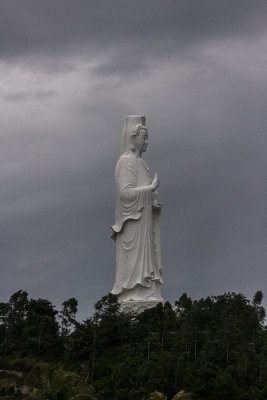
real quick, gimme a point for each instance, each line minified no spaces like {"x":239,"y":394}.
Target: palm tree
{"x":63,"y":385}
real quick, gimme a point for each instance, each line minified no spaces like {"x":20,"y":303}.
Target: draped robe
{"x":137,"y":232}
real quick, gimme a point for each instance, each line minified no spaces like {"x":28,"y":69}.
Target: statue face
{"x":141,"y":141}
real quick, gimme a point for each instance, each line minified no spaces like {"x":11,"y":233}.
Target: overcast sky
{"x":70,"y":72}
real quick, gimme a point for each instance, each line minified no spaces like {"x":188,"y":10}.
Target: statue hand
{"x":156,"y":204}
{"x":155,"y":182}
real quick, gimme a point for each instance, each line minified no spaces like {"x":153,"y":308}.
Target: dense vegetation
{"x":208,"y":349}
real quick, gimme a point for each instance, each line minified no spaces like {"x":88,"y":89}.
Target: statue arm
{"x":127,"y":182}
{"x":131,"y":199}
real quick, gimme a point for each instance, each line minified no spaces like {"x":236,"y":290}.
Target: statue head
{"x":134,"y":124}
{"x":139,"y":139}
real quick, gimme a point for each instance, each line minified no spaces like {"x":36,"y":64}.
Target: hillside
{"x":207,"y":349}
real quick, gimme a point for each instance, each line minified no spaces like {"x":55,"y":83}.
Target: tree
{"x":60,"y":384}
{"x":214,"y":348}
{"x":15,"y":316}
{"x":41,"y":328}
{"x":67,"y":316}
{"x":257,"y":299}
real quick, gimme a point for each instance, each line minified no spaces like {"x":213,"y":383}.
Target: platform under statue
{"x":137,"y":223}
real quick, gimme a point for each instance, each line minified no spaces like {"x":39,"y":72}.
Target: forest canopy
{"x":213,"y":349}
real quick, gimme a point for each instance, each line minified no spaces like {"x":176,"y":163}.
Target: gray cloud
{"x":24,"y":95}
{"x":65,"y":26}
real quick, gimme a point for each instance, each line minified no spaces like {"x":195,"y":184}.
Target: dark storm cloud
{"x":49,"y":227}
{"x":71,"y":72}
{"x":46,"y":28}
{"x":27,"y":94}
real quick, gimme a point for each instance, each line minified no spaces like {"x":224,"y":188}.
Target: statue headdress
{"x":132,"y":122}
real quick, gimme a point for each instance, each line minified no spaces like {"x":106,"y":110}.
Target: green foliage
{"x":213,"y":349}
{"x":61,"y":385}
{"x":157,"y":396}
{"x":67,"y":316}
{"x":182,"y":395}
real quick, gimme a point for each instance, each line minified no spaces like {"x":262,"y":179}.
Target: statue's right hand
{"x":155,"y":182}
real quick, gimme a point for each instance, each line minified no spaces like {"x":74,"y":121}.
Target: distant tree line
{"x":207,"y":349}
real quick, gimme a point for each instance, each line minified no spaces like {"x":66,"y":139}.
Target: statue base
{"x":137,"y":306}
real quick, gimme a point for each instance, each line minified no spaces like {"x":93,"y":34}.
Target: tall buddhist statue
{"x":137,"y":223}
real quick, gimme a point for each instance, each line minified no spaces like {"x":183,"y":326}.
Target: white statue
{"x":136,"y":230}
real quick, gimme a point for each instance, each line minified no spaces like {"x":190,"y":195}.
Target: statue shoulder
{"x":127,"y":159}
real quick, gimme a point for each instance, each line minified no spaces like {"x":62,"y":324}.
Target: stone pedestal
{"x":137,"y":306}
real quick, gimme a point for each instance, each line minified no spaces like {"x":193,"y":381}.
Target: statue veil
{"x":128,"y":130}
